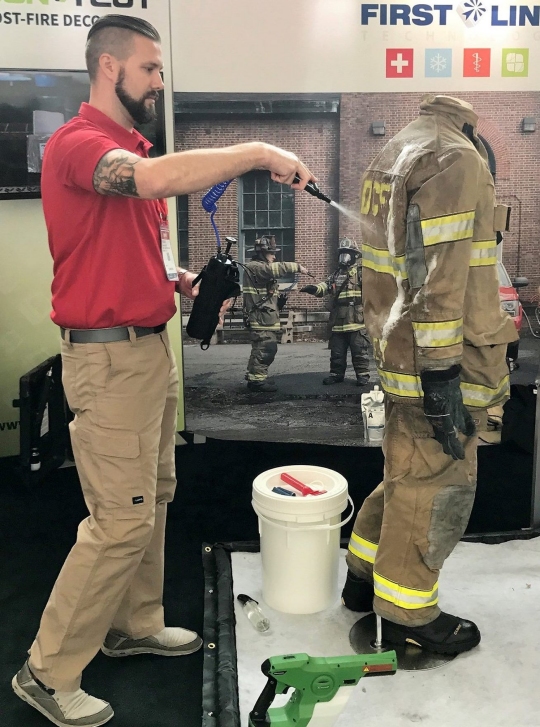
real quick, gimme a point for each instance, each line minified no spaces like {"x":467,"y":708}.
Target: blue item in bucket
{"x":283,"y":491}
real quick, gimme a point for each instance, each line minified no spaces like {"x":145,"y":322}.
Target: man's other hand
{"x":183,"y":286}
{"x":224,"y":308}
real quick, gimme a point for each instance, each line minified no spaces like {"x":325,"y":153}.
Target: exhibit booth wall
{"x":348,"y":46}
{"x":50,"y":36}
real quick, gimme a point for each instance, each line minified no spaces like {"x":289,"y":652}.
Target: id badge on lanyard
{"x":166,"y":249}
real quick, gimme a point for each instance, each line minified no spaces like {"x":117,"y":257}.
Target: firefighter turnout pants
{"x":263,"y":353}
{"x":124,"y":396}
{"x":340,"y":342}
{"x":413,"y":520}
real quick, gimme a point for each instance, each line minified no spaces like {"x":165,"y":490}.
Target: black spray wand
{"x":313,"y":189}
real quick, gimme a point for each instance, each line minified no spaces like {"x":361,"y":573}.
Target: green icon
{"x":515,"y":62}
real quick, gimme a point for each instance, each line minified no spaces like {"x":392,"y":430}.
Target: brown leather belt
{"x":107,"y":335}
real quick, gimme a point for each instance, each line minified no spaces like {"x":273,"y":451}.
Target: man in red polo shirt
{"x":112,"y":294}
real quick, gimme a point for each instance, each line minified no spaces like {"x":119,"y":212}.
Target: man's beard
{"x":136,"y":108}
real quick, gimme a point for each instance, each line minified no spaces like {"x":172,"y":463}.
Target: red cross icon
{"x":399,"y":62}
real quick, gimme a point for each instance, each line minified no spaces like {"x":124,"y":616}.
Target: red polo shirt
{"x":108,"y":267}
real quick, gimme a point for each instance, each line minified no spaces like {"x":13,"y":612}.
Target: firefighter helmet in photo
{"x":264,"y":244}
{"x":348,"y":251}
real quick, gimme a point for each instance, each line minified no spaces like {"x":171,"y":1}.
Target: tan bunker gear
{"x":431,"y":301}
{"x":343,"y":292}
{"x":261,"y":313}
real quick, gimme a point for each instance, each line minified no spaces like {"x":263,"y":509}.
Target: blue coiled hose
{"x":209,"y":204}
{"x":211,"y":197}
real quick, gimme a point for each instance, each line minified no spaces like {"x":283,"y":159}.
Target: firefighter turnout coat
{"x":260,"y":293}
{"x":344,"y":287}
{"x":430,"y":284}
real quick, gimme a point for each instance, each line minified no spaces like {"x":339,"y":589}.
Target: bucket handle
{"x":306,"y":527}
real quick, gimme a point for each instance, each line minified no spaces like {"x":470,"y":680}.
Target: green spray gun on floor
{"x":322,"y":687}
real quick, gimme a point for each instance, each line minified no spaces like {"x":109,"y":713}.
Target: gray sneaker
{"x":65,"y":709}
{"x":172,"y":641}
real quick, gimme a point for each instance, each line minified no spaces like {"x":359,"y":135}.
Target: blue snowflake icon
{"x":438,"y":63}
{"x":470,"y":11}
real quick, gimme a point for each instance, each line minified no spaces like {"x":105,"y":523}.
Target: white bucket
{"x":300,"y":538}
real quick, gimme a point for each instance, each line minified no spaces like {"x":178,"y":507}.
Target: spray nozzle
{"x":313,"y":189}
{"x":230,"y":242}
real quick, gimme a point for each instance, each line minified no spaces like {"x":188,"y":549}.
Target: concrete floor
{"x":218,"y":404}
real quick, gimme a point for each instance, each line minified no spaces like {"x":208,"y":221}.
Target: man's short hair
{"x":114,"y":34}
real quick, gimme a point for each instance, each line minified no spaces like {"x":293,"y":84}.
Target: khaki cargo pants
{"x":124,"y":396}
{"x":413,"y":520}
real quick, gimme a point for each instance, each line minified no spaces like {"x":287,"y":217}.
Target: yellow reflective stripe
{"x":350,"y":294}
{"x":483,"y":252}
{"x":483,"y":244}
{"x":474,"y":395}
{"x":406,"y":385}
{"x":348,"y":327}
{"x":382,"y":261}
{"x":378,"y":260}
{"x":251,"y":291}
{"x":280,"y":268}
{"x":257,"y":377}
{"x":409,"y":598}
{"x":364,"y":542}
{"x":273,"y":327}
{"x":378,"y":266}
{"x":321,"y":289}
{"x":480,"y":262}
{"x":400,"y":268}
{"x":362,"y":548}
{"x":438,"y":334}
{"x":448,"y":228}
{"x":483,"y":396}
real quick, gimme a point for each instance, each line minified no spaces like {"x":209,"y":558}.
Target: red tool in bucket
{"x":304,"y":489}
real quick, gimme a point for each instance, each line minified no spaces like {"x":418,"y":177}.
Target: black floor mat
{"x":213,"y":503}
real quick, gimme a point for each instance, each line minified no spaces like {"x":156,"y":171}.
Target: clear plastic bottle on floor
{"x":253,"y":612}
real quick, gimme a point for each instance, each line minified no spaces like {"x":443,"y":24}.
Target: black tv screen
{"x":32,"y":105}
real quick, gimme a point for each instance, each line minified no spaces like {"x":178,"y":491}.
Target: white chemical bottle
{"x":372,"y":404}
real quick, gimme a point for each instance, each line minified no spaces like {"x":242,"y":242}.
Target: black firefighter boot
{"x":447,"y":634}
{"x":265,"y":386}
{"x":362,"y":379}
{"x":357,"y":594}
{"x":333,"y":379}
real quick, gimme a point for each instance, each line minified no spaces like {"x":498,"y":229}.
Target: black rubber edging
{"x":220,"y":707}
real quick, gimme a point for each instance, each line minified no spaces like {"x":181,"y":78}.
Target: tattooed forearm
{"x":115,"y":174}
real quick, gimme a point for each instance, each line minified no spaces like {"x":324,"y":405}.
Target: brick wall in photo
{"x":316,"y":142}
